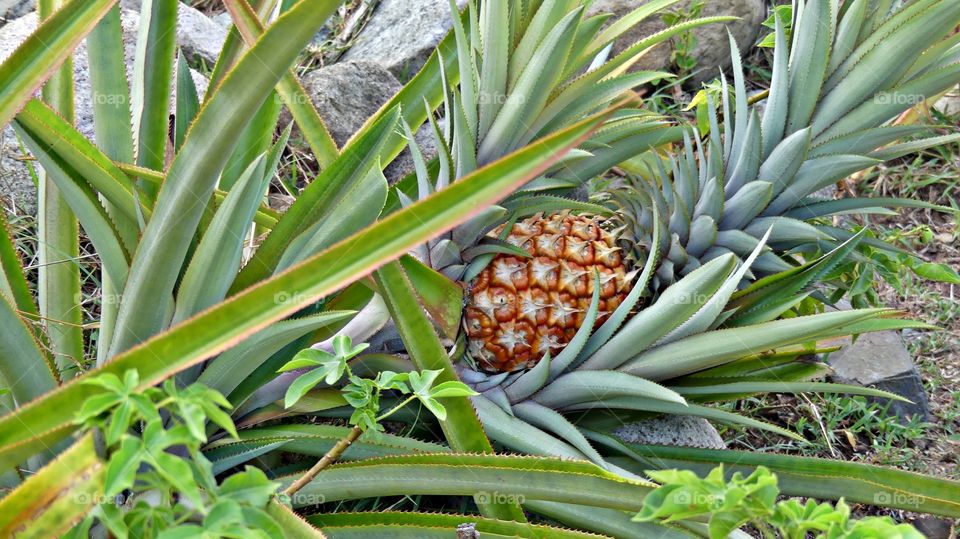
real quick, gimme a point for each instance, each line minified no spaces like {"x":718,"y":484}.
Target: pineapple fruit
{"x":522,"y":308}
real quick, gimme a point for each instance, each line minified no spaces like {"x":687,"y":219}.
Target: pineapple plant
{"x":665,"y":291}
{"x":678,"y":303}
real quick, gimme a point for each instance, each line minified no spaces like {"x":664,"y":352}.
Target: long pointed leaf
{"x":194,"y":171}
{"x":52,"y":42}
{"x":461,"y":427}
{"x":534,"y":478}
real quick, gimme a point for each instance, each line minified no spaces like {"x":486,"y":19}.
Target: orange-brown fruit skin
{"x":520,"y":308}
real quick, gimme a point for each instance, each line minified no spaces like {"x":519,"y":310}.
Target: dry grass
{"x":935,"y":177}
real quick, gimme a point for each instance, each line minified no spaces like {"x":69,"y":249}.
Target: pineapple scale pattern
{"x":522,"y":308}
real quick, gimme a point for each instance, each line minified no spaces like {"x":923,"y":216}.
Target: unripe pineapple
{"x":519,"y":309}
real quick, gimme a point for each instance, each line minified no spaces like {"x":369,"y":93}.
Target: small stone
{"x":467,"y":531}
{"x":280,"y":202}
{"x":934,"y":528}
{"x":881,"y":360}
{"x":949,"y":104}
{"x":675,"y":430}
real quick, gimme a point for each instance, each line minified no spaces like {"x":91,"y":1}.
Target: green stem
{"x":766,"y":531}
{"x":396,"y":409}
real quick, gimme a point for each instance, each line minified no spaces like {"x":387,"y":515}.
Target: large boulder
{"x":401,"y":34}
{"x":199,"y":37}
{"x":16,"y":184}
{"x":12,"y":9}
{"x":712,"y":49}
{"x":346,"y":94}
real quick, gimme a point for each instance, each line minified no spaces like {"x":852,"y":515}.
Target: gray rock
{"x":678,"y":430}
{"x":934,"y":528}
{"x":401,"y":34}
{"x":17,"y":190}
{"x":829,"y":192}
{"x":16,"y":186}
{"x":15,"y":181}
{"x":949,"y":104}
{"x":468,"y":531}
{"x":223,"y":19}
{"x":199,"y":36}
{"x":712,"y":50}
{"x":881,"y":360}
{"x":346,"y":94}
{"x":280,"y":202}
{"x":12,"y":9}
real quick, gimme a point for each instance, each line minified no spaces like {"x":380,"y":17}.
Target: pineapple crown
{"x":764,"y":167}
{"x":523,"y":73}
